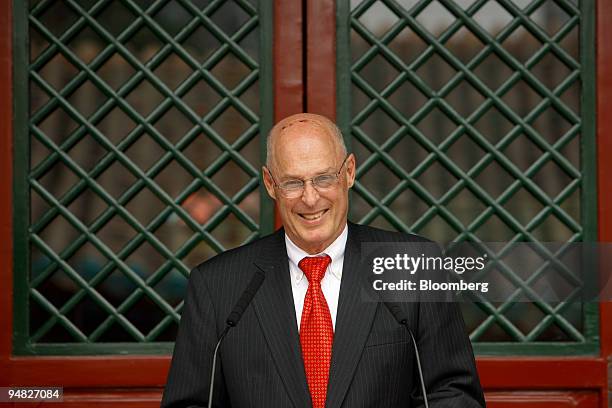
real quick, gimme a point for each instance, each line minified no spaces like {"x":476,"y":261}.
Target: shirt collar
{"x":335,"y":252}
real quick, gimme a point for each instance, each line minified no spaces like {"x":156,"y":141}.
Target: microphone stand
{"x":232,"y":320}
{"x":403,"y":321}
{"x":214,"y":365}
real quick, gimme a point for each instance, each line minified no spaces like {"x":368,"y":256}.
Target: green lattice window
{"x":473,"y":120}
{"x":138,"y":148}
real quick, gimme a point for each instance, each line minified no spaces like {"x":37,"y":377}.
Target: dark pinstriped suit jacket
{"x":373,"y":362}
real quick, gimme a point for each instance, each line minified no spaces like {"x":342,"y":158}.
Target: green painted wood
{"x":377,"y":80}
{"x":589,"y":148}
{"x":21,"y":191}
{"x":61,"y":307}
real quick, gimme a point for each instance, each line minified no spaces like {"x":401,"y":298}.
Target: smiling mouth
{"x":314,"y":216}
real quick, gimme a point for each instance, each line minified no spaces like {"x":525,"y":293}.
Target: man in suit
{"x":308,"y":338}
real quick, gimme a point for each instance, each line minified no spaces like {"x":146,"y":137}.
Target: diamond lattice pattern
{"x":466,"y":120}
{"x":144,"y":123}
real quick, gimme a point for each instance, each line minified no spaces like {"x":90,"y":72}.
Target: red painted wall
{"x":136,"y":381}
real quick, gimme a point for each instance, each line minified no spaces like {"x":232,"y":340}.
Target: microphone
{"x":398,"y":314}
{"x":245,"y":299}
{"x":232,"y":320}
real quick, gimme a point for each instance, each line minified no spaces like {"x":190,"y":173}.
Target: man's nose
{"x":310,"y":194}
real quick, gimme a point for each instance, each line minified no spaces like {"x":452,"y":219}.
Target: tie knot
{"x":314,"y":267}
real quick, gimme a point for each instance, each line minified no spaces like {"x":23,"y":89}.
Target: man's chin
{"x":312,"y":239}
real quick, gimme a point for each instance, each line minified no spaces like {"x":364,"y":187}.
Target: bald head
{"x":282,"y":132}
{"x":308,"y":174}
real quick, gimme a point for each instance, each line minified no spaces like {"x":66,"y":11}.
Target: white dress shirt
{"x":330,"y":284}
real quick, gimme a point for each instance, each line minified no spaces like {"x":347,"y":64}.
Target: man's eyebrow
{"x":329,"y":170}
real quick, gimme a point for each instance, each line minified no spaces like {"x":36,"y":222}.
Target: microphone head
{"x":244,"y":301}
{"x":397,"y":313}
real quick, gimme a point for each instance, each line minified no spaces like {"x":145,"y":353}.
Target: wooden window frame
{"x":293,"y":91}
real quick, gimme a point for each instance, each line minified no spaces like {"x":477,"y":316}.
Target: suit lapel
{"x":353,"y":323}
{"x":275,"y":311}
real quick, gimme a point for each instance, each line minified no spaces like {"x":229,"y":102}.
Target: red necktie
{"x":316,"y":330}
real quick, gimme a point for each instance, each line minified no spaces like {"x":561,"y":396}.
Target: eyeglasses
{"x":295,"y":187}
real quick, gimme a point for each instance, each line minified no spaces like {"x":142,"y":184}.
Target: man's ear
{"x":268,"y":182}
{"x":350,"y":170}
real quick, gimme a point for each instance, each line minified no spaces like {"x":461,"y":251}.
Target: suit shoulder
{"x":235,"y":258}
{"x":374,"y":234}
